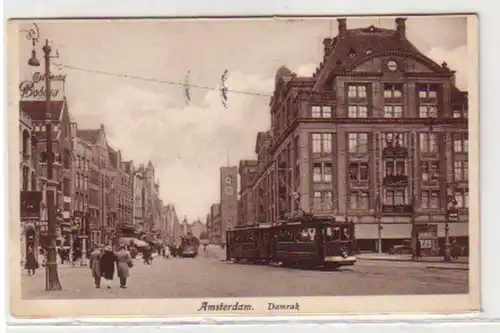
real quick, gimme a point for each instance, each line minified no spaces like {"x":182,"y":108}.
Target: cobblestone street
{"x":208,"y":276}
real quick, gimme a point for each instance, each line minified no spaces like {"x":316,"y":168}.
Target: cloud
{"x":187,"y":145}
{"x":457,"y":60}
{"x":306,"y":70}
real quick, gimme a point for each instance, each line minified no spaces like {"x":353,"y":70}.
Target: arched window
{"x":78,"y":161}
{"x":43,"y":157}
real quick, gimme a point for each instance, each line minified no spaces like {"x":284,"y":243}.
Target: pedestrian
{"x":108,"y":260}
{"x":123,"y":264}
{"x":31,"y":263}
{"x":95,"y":266}
{"x":454,"y":249}
{"x":419,"y":248}
{"x":163,"y":252}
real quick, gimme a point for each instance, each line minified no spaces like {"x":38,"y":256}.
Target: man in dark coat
{"x":108,"y":260}
{"x":31,"y":264}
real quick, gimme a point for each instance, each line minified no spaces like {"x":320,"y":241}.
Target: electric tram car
{"x":304,"y":240}
{"x":189,"y":247}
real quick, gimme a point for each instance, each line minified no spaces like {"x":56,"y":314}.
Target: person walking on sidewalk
{"x":123,"y":264}
{"x":31,"y":264}
{"x":95,"y":266}
{"x":419,"y":249}
{"x":108,"y":260}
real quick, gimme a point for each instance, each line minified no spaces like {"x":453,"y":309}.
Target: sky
{"x":187,"y":143}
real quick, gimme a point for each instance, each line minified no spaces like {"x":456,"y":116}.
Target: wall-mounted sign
{"x":35,"y":88}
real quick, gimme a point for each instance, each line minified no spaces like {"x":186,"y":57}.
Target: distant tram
{"x":302,"y":239}
{"x":189,"y":246}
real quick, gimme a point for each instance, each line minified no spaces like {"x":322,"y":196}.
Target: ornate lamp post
{"x":451,"y":216}
{"x":52,"y":276}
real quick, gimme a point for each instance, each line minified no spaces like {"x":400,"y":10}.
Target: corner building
{"x":378,"y":134}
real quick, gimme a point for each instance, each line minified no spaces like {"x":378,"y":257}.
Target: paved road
{"x":208,"y":276}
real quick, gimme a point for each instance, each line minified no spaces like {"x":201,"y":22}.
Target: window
{"x":427,"y":91}
{"x":461,"y":143}
{"x":358,"y":143}
{"x":428,"y":142}
{"x":428,"y":111}
{"x":359,"y":200}
{"x":429,"y":171}
{"x":357,"y":91}
{"x":66,"y":187}
{"x":358,"y":171}
{"x":321,"y":111}
{"x":322,"y":200}
{"x":461,"y":170}
{"x":322,"y":142}
{"x":462,"y":197}
{"x":393,"y":91}
{"x":358,"y":111}
{"x":393,"y":111}
{"x":78,"y":161}
{"x":395,"y":197}
{"x":394,"y":140}
{"x":430,"y":199}
{"x":86,"y":183}
{"x":395,"y":168}
{"x":460,"y":112}
{"x":322,"y":172}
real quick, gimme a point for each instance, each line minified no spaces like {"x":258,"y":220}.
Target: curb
{"x":450,"y":267}
{"x":407,"y":260}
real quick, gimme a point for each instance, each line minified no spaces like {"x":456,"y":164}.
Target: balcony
{"x":397,"y":209}
{"x":401,"y":180}
{"x":395,"y":152}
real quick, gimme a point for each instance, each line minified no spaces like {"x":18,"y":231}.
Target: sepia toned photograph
{"x":243,"y":166}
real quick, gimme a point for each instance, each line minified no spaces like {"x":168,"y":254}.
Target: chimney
{"x":327,"y":42}
{"x":401,"y":27}
{"x":342,"y":25}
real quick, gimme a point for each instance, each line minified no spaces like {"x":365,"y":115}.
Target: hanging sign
{"x":35,"y":88}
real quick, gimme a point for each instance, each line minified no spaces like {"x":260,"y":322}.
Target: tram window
{"x":332,"y":234}
{"x":285,"y":235}
{"x":346,"y":235}
{"x":306,"y":235}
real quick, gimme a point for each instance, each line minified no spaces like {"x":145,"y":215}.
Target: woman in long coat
{"x":108,"y":260}
{"x":31,"y":264}
{"x":123,"y":263}
{"x":95,"y":266}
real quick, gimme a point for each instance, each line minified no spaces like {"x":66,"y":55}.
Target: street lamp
{"x":378,"y":216}
{"x":451,"y":216}
{"x":52,"y":277}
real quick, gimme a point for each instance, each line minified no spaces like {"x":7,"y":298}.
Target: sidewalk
{"x":437,"y":262}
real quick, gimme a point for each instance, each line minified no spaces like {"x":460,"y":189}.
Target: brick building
{"x":62,"y":155}
{"x":247,"y":171}
{"x":378,"y":134}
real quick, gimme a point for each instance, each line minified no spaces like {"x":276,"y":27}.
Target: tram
{"x":189,"y":247}
{"x":303,"y":239}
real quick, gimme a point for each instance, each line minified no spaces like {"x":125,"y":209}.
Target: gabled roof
{"x":353,"y":46}
{"x":89,"y":135}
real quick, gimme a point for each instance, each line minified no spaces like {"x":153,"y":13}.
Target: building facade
{"x":378,"y":134}
{"x":216,"y":231}
{"x":28,"y":179}
{"x":228,"y":199}
{"x":62,"y":157}
{"x":247,"y":171}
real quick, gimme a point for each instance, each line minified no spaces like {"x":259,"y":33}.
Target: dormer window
{"x":352,"y":53}
{"x":368,"y":51}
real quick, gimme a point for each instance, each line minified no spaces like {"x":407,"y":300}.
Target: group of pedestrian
{"x":102,"y":265}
